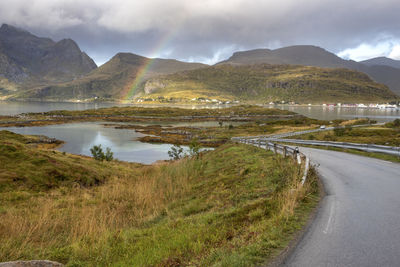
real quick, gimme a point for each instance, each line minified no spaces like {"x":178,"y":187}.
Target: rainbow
{"x":144,"y":69}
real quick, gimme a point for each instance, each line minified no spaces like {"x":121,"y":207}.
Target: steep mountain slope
{"x":117,"y":79}
{"x":382,"y":61}
{"x":315,"y":56}
{"x":28,"y":60}
{"x":264,"y":83}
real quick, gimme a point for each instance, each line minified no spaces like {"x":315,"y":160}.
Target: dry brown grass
{"x":290,"y":199}
{"x":287,"y":129}
{"x":71,"y":215}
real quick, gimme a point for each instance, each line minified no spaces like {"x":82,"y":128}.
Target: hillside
{"x":265,"y":83}
{"x":27,"y":60}
{"x":315,"y":56}
{"x":116,"y":79}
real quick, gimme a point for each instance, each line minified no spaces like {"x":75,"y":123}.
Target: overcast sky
{"x":210,"y":30}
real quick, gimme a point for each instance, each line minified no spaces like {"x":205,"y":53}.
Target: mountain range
{"x":38,"y":68}
{"x":115,"y":79}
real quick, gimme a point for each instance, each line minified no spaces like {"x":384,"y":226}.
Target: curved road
{"x":358,"y":223}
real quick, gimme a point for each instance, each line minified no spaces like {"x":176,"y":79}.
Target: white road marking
{"x":328,"y":228}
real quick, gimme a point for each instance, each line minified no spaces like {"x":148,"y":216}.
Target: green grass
{"x":388,"y":134}
{"x":236,"y":206}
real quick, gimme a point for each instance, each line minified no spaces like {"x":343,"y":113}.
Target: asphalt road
{"x":358,"y":223}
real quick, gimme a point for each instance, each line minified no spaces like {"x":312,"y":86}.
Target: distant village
{"x":339,"y":105}
{"x":214,"y":101}
{"x":203,"y":100}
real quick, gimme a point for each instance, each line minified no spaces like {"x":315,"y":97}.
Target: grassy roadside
{"x":379,"y":135}
{"x":235,"y":206}
{"x":387,"y":134}
{"x":358,"y":152}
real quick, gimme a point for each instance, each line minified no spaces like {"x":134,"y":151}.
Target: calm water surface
{"x":332,"y":113}
{"x":14,"y":108}
{"x":80,"y":137}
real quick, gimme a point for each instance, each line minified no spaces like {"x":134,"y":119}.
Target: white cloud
{"x":395,"y":53}
{"x":367,"y":51}
{"x":388,"y":47}
{"x":218,"y":55}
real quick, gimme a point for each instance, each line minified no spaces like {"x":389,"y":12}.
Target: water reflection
{"x":80,"y":137}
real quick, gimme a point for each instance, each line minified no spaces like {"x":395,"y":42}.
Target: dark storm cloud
{"x":210,"y":30}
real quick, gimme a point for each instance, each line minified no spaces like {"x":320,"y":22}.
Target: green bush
{"x":98,"y":154}
{"x":176,"y":152}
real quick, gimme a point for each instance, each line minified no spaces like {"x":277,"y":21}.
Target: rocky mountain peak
{"x":40,"y":60}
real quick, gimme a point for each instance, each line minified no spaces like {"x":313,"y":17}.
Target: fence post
{"x":275,"y":148}
{"x":284,"y":151}
{"x":306,"y":167}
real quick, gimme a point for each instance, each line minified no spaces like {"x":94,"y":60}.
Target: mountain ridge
{"x":382,"y":61}
{"x":34,"y":67}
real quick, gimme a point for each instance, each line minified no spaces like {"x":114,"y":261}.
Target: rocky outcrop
{"x":152,"y":86}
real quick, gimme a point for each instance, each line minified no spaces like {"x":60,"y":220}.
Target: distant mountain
{"x":264,"y":83}
{"x":27,"y":60}
{"x":299,"y":55}
{"x":315,"y":56}
{"x":116,"y":79}
{"x":382,"y":61}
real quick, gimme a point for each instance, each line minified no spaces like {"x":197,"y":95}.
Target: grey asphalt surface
{"x":358,"y":223}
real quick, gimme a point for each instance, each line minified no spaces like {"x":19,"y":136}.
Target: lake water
{"x":14,"y":108}
{"x":332,"y":113}
{"x":80,"y":137}
{"x":317,"y":112}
